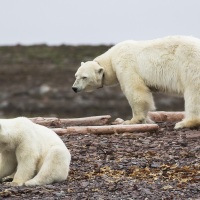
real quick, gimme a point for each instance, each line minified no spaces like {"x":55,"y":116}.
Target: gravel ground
{"x":159,"y":165}
{"x":162,"y":165}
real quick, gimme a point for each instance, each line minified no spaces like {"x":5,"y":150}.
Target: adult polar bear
{"x":170,"y":64}
{"x":34,"y":154}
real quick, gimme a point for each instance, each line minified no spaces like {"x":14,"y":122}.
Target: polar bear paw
{"x":129,"y":122}
{"x":138,"y":121}
{"x":31,"y":182}
{"x":14,"y":183}
{"x":187,"y":124}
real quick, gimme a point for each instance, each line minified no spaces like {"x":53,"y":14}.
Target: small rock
{"x":59,"y":194}
{"x":155,"y":164}
{"x":84,"y":184}
{"x":44,"y":89}
{"x":146,"y":191}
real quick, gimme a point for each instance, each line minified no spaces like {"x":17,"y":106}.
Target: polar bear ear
{"x":82,"y":63}
{"x":100,"y":70}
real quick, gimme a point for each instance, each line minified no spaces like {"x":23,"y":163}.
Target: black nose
{"x":75,"y":89}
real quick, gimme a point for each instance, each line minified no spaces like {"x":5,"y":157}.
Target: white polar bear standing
{"x":33,"y":153}
{"x":170,"y":64}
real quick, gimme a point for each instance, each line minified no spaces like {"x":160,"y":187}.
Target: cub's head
{"x":89,"y":77}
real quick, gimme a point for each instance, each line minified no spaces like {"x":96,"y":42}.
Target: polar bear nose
{"x":75,"y":89}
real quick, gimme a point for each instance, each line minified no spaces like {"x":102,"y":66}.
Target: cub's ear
{"x":100,"y":70}
{"x":82,"y":63}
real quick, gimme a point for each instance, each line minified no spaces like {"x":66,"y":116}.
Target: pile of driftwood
{"x":104,"y":125}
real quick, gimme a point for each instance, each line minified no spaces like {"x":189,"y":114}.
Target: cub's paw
{"x":31,"y":183}
{"x":13,"y":184}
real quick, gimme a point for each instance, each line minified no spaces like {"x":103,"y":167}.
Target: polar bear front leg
{"x":8,"y":164}
{"x":140,"y":108}
{"x":22,"y":174}
{"x":55,"y":167}
{"x":25,"y":169}
{"x":139,"y":98}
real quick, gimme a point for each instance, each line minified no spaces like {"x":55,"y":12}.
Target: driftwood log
{"x":162,"y":116}
{"x":85,"y":121}
{"x":99,"y":124}
{"x":159,"y":116}
{"x":107,"y":129}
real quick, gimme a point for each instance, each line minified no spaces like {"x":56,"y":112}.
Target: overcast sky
{"x":56,"y":22}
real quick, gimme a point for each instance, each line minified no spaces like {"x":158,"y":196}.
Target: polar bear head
{"x":89,"y":77}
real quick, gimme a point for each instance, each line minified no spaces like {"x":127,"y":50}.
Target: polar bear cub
{"x":170,"y":65}
{"x":34,"y":154}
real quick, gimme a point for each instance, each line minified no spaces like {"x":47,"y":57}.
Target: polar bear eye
{"x":84,"y":77}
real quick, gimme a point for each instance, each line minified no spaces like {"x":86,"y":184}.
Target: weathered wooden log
{"x":108,"y":129}
{"x":159,"y":116}
{"x":162,"y":116}
{"x":85,"y":121}
{"x":47,"y":121}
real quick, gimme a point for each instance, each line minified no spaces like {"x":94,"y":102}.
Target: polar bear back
{"x":167,"y":64}
{"x":22,"y":130}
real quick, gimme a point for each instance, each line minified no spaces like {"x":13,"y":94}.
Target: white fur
{"x":34,"y":153}
{"x":170,"y":64}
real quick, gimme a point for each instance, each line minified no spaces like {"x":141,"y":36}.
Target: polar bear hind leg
{"x":192,"y":109}
{"x":55,"y":168}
